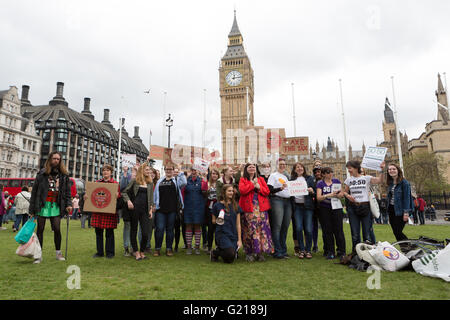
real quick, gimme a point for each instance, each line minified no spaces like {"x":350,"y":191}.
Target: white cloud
{"x":109,"y":49}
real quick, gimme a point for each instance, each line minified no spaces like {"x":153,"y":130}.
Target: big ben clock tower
{"x":236,"y":90}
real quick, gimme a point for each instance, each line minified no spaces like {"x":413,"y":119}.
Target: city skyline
{"x":110,"y":52}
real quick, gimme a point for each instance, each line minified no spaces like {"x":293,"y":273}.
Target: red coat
{"x":247,"y":190}
{"x":422,"y":204}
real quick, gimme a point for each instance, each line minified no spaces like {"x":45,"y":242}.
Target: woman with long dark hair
{"x":331,"y":219}
{"x":358,"y":208}
{"x":399,"y":200}
{"x":254,"y":201}
{"x":303,"y":209}
{"x":226,"y":215}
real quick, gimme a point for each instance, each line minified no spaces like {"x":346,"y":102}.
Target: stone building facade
{"x":20,"y":145}
{"x":436,"y":137}
{"x":86,"y":144}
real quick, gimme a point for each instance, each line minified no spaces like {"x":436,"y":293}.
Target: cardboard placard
{"x":128,"y":160}
{"x":101,"y":197}
{"x":167,"y":156}
{"x":156,"y":152}
{"x":295,"y":146}
{"x":200,"y":165}
{"x":297,"y":188}
{"x":373,"y":158}
{"x":336,"y":202}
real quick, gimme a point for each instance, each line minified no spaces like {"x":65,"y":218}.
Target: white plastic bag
{"x":388,"y":257}
{"x":362,"y":250}
{"x":374,"y":205}
{"x":436,"y":264}
{"x":31,"y":249}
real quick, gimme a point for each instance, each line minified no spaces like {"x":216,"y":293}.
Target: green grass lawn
{"x":195,"y":277}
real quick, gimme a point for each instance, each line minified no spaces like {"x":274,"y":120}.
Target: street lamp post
{"x":119,"y":155}
{"x":169,"y":123}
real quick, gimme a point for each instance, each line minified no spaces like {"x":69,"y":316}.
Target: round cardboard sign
{"x":101,"y":198}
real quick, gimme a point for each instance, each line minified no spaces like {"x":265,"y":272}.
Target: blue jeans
{"x":281,"y":218}
{"x":10,"y":215}
{"x":164,"y":222}
{"x":303,"y":222}
{"x":20,"y":218}
{"x":126,"y":234}
{"x":356,"y":222}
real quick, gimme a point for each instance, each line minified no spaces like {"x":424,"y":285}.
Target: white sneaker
{"x":3,"y":228}
{"x":60,"y":257}
{"x":37,"y":261}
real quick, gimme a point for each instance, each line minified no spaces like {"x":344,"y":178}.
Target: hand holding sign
{"x":200,"y":165}
{"x":284,"y":185}
{"x":374,"y":158}
{"x":297,"y":188}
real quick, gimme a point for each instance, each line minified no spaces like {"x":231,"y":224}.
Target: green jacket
{"x":133,"y":187}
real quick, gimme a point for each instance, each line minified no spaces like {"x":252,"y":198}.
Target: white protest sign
{"x":373,"y":157}
{"x":128,"y":160}
{"x":336,"y":202}
{"x":297,"y":188}
{"x":200,"y":165}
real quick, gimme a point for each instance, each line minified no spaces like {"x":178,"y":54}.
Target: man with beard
{"x":51,"y":199}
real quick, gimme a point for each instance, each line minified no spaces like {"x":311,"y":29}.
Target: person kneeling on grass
{"x":226,"y":214}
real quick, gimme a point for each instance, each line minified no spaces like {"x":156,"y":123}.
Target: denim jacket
{"x":403,"y":201}
{"x":179,"y":180}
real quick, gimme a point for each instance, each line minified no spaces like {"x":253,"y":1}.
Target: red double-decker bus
{"x":14,"y":185}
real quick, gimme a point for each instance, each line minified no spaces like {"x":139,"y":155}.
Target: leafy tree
{"x":426,"y":171}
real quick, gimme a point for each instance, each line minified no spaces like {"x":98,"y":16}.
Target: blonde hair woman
{"x":139,"y":197}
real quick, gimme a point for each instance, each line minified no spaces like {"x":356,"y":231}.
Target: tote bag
{"x":374,"y":205}
{"x":26,"y":232}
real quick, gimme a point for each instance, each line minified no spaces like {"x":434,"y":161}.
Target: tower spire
{"x":441,"y":96}
{"x":235,"y":28}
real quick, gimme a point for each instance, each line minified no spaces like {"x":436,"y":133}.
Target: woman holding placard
{"x":357,"y":192}
{"x":303,"y":209}
{"x":254,"y":201}
{"x":105,"y":221}
{"x":329,"y":193}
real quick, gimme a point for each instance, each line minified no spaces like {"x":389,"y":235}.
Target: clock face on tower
{"x":233,"y":78}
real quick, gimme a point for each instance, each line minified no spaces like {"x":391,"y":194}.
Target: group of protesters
{"x":246,"y":207}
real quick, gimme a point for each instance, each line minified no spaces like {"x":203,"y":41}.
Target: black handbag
{"x":362,"y":210}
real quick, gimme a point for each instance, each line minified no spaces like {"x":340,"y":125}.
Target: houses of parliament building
{"x":236,"y":81}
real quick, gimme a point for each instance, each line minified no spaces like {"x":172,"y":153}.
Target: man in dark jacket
{"x":50,"y":198}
